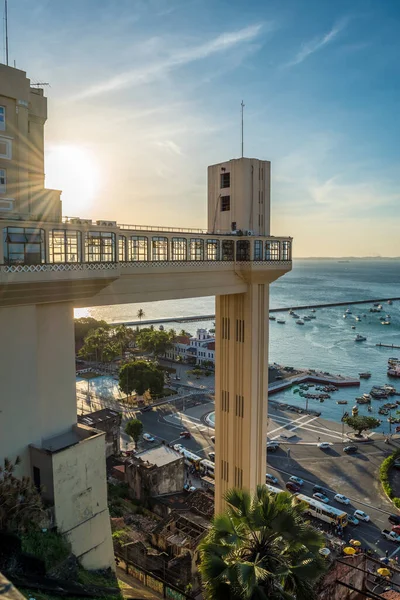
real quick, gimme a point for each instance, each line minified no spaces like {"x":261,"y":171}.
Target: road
{"x":355,"y":476}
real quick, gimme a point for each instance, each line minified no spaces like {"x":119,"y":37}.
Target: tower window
{"x":2,"y":118}
{"x":225,"y":203}
{"x":225,"y":180}
{"x":2,"y":181}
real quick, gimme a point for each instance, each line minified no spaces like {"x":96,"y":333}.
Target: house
{"x":198,"y":349}
{"x":155,"y":472}
{"x":178,"y":349}
{"x":109,"y":421}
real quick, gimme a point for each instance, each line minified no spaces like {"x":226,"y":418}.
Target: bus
{"x":191,"y":459}
{"x":273,"y":490}
{"x":322,"y":511}
{"x":208,"y":467}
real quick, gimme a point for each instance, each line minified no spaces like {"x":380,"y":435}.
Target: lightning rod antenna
{"x":6,"y":21}
{"x":242,"y":105}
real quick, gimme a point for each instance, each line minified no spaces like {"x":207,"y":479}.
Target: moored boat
{"x":360,"y":338}
{"x":341,"y":402}
{"x":365,"y":375}
{"x":300,"y":322}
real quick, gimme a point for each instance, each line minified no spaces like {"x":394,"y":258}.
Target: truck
{"x":391,"y":535}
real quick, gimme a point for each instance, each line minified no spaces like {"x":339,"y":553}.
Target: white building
{"x":196,"y":349}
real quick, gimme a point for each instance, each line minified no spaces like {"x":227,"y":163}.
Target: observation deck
{"x":98,"y":263}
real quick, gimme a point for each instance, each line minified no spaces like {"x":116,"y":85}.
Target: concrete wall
{"x":80,"y":501}
{"x":37,"y":383}
{"x":249,"y":191}
{"x":155,"y":481}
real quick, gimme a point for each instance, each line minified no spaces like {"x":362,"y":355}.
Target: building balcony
{"x":78,"y":260}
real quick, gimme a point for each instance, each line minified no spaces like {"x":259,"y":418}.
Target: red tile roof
{"x":211,"y":346}
{"x":182,"y":339}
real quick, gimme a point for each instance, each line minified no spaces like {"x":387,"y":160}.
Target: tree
{"x":140,"y":376}
{"x":362,"y":423}
{"x":140,"y":314}
{"x":261,"y":548}
{"x":21,"y":506}
{"x":86,"y":324}
{"x":185,"y":333}
{"x":134,"y":429}
{"x":156,"y":342}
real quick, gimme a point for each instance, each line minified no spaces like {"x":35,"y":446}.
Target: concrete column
{"x":37,"y":383}
{"x":241,"y":390}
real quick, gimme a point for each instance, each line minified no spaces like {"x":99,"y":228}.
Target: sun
{"x":73,"y":170}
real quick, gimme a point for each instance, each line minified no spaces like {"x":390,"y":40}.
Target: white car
{"x":296,"y":480}
{"x":321,"y":497}
{"x":361,"y":516}
{"x":324,"y":445}
{"x":178,"y":447}
{"x":272,"y":446}
{"x":148,"y":438}
{"x":271,"y":479}
{"x":342,"y":499}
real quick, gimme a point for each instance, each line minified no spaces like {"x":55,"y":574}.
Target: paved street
{"x":355,"y":476}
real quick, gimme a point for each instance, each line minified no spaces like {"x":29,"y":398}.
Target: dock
{"x":194,"y":318}
{"x":380,"y":345}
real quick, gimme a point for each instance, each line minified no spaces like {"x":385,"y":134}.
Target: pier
{"x":380,"y":345}
{"x":271,"y":310}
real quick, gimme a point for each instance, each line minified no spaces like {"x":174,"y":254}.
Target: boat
{"x":300,"y":322}
{"x":369,"y":408}
{"x":389,"y":302}
{"x":374,"y":310}
{"x":344,"y":316}
{"x":347,"y":311}
{"x":161,"y":328}
{"x":353,"y":326}
{"x":383,"y":411}
{"x":378,"y":393}
{"x":295,"y":316}
{"x":362,"y":400}
{"x":389,"y":389}
{"x":312,"y":317}
{"x":358,"y":318}
{"x":385,"y":322}
{"x":272,"y":318}
{"x":367,"y":396}
{"x":354,"y":411}
{"x":365,"y":375}
{"x":312,"y":310}
{"x":306,"y":318}
{"x":290,"y":311}
{"x":393,"y":372}
{"x":387,"y":317}
{"x":281,"y":321}
{"x":360,"y":338}
{"x":341,"y":402}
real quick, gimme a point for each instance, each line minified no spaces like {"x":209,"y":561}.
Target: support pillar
{"x":241,"y":390}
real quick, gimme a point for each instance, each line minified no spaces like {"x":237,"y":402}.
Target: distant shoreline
{"x":347,"y":258}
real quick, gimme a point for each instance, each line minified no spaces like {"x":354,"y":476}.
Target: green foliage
{"x":50,"y":546}
{"x":140,"y":376}
{"x":104,"y":344}
{"x":140,"y":313}
{"x":21,"y":506}
{"x":86,"y":324}
{"x":362,"y":423}
{"x":156,"y":342}
{"x":384,"y":472}
{"x":184,"y":332}
{"x":261,"y":548}
{"x":196,"y":371}
{"x":134,"y":429}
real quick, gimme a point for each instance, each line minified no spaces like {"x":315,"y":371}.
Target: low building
{"x":155,"y":472}
{"x":179,"y":348}
{"x":109,"y":421}
{"x":198,"y":349}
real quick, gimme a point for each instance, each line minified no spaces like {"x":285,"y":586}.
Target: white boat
{"x":281,"y":321}
{"x":300,"y":322}
{"x":290,"y":311}
{"x":358,"y":318}
{"x":344,"y":316}
{"x":348,"y":311}
{"x":385,"y":322}
{"x":359,"y":338}
{"x":387,"y":317}
{"x":389,"y":302}
{"x":313,"y":310}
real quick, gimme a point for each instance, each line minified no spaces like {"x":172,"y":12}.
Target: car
{"x":321,"y":497}
{"x":146,"y":409}
{"x":272,"y":446}
{"x":342,"y":499}
{"x":185,"y":434}
{"x":396,"y":529}
{"x":213,"y":439}
{"x":177,"y":447}
{"x":271,"y":479}
{"x":324,"y":445}
{"x":361,"y":515}
{"x":352,"y":520}
{"x":296,"y":480}
{"x":148,"y":438}
{"x":211,"y":456}
{"x":396,"y":464}
{"x":318,"y":488}
{"x":292,"y":487}
{"x":394,"y":519}
{"x":350,"y":449}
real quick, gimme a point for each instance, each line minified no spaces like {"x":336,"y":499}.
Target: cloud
{"x":179,"y":57}
{"x":318,"y":43}
{"x":171,"y":146}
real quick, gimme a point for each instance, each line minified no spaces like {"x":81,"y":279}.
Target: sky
{"x":144,"y":94}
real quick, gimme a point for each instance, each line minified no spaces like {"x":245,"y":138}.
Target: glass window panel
{"x":286,"y":248}
{"x":212,"y":249}
{"x":159,"y":247}
{"x":138,"y":248}
{"x":227,"y":250}
{"x":243,"y":250}
{"x":196,"y":249}
{"x":100,"y":246}
{"x":24,"y":245}
{"x":258,"y":250}
{"x":179,"y":248}
{"x":122,"y":248}
{"x":272,"y":250}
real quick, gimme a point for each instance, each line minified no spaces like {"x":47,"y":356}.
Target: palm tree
{"x":140,"y":314}
{"x":261,"y":548}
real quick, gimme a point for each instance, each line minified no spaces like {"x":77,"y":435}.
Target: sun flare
{"x":73,"y":170}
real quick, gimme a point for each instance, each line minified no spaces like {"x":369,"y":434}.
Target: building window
{"x":24,"y":246}
{"x":286,"y":248}
{"x":100,"y":246}
{"x":36,"y":478}
{"x":212,"y":249}
{"x":3,"y":181}
{"x":196,"y":249}
{"x":179,"y":248}
{"x":65,"y":246}
{"x":272,"y":250}
{"x":227,"y":250}
{"x":225,"y":203}
{"x":2,"y":118}
{"x":159,"y":248}
{"x":225,"y":180}
{"x":121,"y":248}
{"x":138,"y":248}
{"x":5,"y":148}
{"x":243,"y":250}
{"x":258,"y":250}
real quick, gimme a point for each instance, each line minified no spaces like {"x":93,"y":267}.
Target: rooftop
{"x":75,"y":435}
{"x":97,"y":416}
{"x":158,"y":456}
